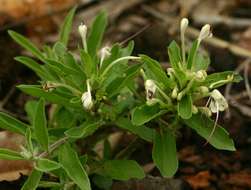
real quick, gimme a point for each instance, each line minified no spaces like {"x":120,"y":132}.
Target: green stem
{"x":117,"y":61}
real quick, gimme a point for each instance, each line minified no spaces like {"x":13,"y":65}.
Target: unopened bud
{"x":82,"y":29}
{"x":104,"y":53}
{"x":200,"y":75}
{"x":87,"y":98}
{"x":204,"y":33}
{"x":183,"y":25}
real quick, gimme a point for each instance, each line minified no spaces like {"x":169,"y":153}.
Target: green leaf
{"x":45,"y":165}
{"x":216,"y":77}
{"x":145,"y":113}
{"x":88,"y":63}
{"x":201,"y":63}
{"x":155,"y":72}
{"x":32,"y":182}
{"x":176,"y":63}
{"x":84,"y":130}
{"x":96,"y":34}
{"x":27,"y":44}
{"x":7,"y":154}
{"x":174,"y":55}
{"x":164,"y":153}
{"x":30,"y":107}
{"x":192,"y":55}
{"x":61,"y":67}
{"x":40,"y":125}
{"x":122,"y":169}
{"x":28,"y":138}
{"x":66,"y":27}
{"x":185,"y":107}
{"x":119,"y":83}
{"x":142,"y":131}
{"x":59,"y":49}
{"x":53,"y":97}
{"x":33,"y":65}
{"x":74,"y":169}
{"x":204,"y":127}
{"x":11,"y":124}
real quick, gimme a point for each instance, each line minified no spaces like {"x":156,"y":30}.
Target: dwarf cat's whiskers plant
{"x":99,"y":92}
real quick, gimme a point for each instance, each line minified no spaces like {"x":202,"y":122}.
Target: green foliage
{"x":88,"y":97}
{"x":40,"y":125}
{"x":164,"y":153}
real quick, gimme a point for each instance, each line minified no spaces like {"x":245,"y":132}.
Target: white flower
{"x":150,"y":87}
{"x":183,"y":25}
{"x":82,"y":29}
{"x":104,"y":53}
{"x":204,"y":33}
{"x":218,"y":102}
{"x":87,"y":98}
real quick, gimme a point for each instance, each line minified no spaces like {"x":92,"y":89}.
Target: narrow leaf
{"x":185,"y":107}
{"x":204,"y":126}
{"x":27,"y":44}
{"x":142,"y":131}
{"x":7,"y":154}
{"x":74,"y":169}
{"x":84,"y":130}
{"x":123,"y":169}
{"x":155,"y":72}
{"x":32,"y":182}
{"x":66,"y":27}
{"x":145,"y":113}
{"x":96,"y":34}
{"x":53,"y":97}
{"x":164,"y":153}
{"x":11,"y":124}
{"x":33,"y":65}
{"x":192,"y":54}
{"x":40,"y":125}
{"x":45,"y":165}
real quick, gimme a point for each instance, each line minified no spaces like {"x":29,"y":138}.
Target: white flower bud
{"x":82,"y":29}
{"x":104,"y":53}
{"x":200,"y":75}
{"x":204,"y":33}
{"x":87,"y":98}
{"x":183,"y":25}
{"x":203,"y":89}
{"x":150,"y":87}
{"x":218,"y":102}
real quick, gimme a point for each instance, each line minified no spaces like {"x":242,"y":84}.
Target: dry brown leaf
{"x":11,"y":170}
{"x":200,"y":180}
{"x":242,"y":178}
{"x":14,"y":10}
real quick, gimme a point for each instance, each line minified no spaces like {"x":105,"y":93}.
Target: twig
{"x":246,"y":69}
{"x":53,"y":147}
{"x":134,"y":35}
{"x":227,"y":21}
{"x":194,"y":33}
{"x":7,"y":97}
